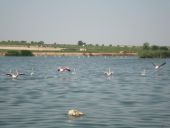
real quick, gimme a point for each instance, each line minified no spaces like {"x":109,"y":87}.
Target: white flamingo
{"x":109,"y":73}
{"x":157,"y":66}
{"x":14,"y":75}
{"x":32,"y":72}
{"x":62,"y":69}
{"x":143,"y":73}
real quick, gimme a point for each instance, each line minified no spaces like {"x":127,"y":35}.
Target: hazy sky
{"x":131,"y":22}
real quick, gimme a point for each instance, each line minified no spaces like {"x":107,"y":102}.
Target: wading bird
{"x":143,"y":73}
{"x":63,"y":69}
{"x":158,"y":66}
{"x":32,"y":72}
{"x":14,"y":75}
{"x":109,"y":73}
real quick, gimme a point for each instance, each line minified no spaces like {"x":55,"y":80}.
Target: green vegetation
{"x":81,"y":43}
{"x":12,"y":42}
{"x":154,"y":54}
{"x":112,"y":49}
{"x":18,"y":53}
{"x":26,"y":53}
{"x":154,"y":51}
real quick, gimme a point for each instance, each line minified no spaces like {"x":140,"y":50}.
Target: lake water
{"x":127,"y":99}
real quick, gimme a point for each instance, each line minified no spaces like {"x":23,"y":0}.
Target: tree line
{"x":146,"y":46}
{"x":12,"y":42}
{"x":154,"y":51}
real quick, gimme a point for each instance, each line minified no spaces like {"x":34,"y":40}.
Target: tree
{"x":80,"y":43}
{"x":32,"y":42}
{"x":54,"y":45}
{"x":164,"y":48}
{"x":154,"y":47}
{"x":41,"y":42}
{"x":23,"y":42}
{"x":146,"y":46}
{"x":90,"y":44}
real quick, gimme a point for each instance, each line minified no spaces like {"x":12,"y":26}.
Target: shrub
{"x":12,"y":53}
{"x":18,"y":53}
{"x":154,"y":54}
{"x":26,"y":53}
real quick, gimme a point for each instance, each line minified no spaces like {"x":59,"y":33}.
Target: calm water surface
{"x":125,"y":100}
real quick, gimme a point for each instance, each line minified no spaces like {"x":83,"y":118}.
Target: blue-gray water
{"x":124,"y":100}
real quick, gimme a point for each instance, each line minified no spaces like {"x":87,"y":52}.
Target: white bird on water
{"x":32,"y":72}
{"x":158,"y":66}
{"x":62,"y":69}
{"x":75,"y":113}
{"x":143,"y":73}
{"x":14,"y":75}
{"x":109,"y":73}
{"x":74,"y":71}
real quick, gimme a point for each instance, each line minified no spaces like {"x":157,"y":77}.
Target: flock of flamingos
{"x":74,"y":112}
{"x":16,"y":74}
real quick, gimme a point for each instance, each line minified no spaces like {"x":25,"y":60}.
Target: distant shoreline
{"x":48,"y":51}
{"x":23,"y":48}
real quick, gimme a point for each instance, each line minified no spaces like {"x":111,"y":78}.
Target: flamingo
{"x":158,"y":66}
